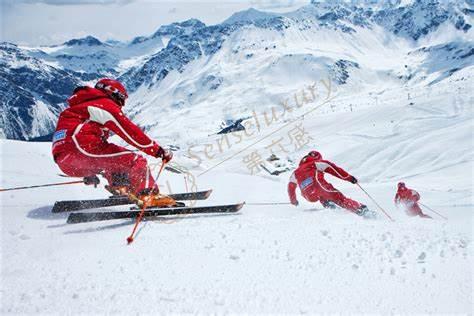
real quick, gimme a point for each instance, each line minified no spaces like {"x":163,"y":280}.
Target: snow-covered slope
{"x":267,"y":259}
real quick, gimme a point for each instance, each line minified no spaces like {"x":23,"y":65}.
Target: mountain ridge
{"x":145,"y":61}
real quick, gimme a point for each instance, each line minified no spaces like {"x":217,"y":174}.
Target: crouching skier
{"x":309,"y":176}
{"x":408,"y":199}
{"x":80,"y":146}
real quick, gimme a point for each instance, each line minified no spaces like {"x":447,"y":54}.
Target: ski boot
{"x":117,"y":190}
{"x":364,"y":212}
{"x":119,"y":185}
{"x":329,"y":204}
{"x":153,"y":199}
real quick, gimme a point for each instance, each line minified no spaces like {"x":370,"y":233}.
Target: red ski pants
{"x":327,"y":192}
{"x":112,"y":160}
{"x":413,"y":209}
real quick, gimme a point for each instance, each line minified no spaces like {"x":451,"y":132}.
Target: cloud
{"x":74,"y":2}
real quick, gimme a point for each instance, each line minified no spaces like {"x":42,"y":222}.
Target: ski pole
{"x":161,"y":169}
{"x":139,"y":218}
{"x":375,"y":202}
{"x":140,"y":215}
{"x":42,"y":185}
{"x":424,"y":205}
{"x":175,"y":169}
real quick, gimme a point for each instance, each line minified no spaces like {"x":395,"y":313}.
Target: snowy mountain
{"x":94,"y":58}
{"x":440,"y":61}
{"x":282,"y":53}
{"x":423,"y":17}
{"x":322,"y":39}
{"x":249,"y":16}
{"x":412,"y":21}
{"x":33,"y":93}
{"x":86,"y":41}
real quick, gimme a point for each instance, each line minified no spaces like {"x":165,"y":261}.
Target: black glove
{"x":92,"y":180}
{"x":353,"y":180}
{"x":165,"y":154}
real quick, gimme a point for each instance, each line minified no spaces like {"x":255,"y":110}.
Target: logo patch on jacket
{"x":59,"y":135}
{"x":306,"y":182}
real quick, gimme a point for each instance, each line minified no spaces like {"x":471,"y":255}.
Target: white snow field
{"x":264,"y":259}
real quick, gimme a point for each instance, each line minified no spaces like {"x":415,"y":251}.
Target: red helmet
{"x":114,"y":89}
{"x":313,"y":155}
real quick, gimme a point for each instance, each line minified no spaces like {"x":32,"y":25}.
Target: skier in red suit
{"x":80,"y":146}
{"x":309,"y":176}
{"x":408,"y":199}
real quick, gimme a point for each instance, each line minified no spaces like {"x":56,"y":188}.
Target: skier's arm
{"x":397,"y":198}
{"x":292,"y":190}
{"x":113,"y":118}
{"x":332,"y":169}
{"x":415,"y":195}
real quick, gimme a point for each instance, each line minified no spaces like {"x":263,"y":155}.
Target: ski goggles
{"x":114,"y":93}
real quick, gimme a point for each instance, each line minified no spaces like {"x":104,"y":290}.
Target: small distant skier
{"x":80,"y":146}
{"x":309,"y":176}
{"x":408,"y":199}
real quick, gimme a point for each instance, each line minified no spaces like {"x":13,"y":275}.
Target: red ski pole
{"x":424,"y":205}
{"x":140,"y":215}
{"x":375,"y":202}
{"x":42,"y":185}
{"x":161,"y":169}
{"x":139,"y":219}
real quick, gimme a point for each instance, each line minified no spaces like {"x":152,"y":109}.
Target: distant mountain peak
{"x":249,"y":15}
{"x":191,"y":22}
{"x":7,"y":44}
{"x":179,"y":28}
{"x":88,"y":40}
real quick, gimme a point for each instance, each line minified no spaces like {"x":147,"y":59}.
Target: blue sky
{"x":46,"y":22}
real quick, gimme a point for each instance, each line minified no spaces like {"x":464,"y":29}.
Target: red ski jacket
{"x":405,"y":195}
{"x":309,"y":176}
{"x":84,"y":126}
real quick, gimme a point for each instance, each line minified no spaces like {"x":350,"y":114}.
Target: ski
{"x":75,"y":218}
{"x":77,"y":205}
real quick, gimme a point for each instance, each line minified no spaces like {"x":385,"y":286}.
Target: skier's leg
{"x":328,"y":204}
{"x":346,"y":202}
{"x":129,"y":169}
{"x":328,"y":193}
{"x":415,"y":209}
{"x":407,"y":207}
{"x":119,"y":166}
{"x":76,"y":165}
{"x":141,"y":179}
